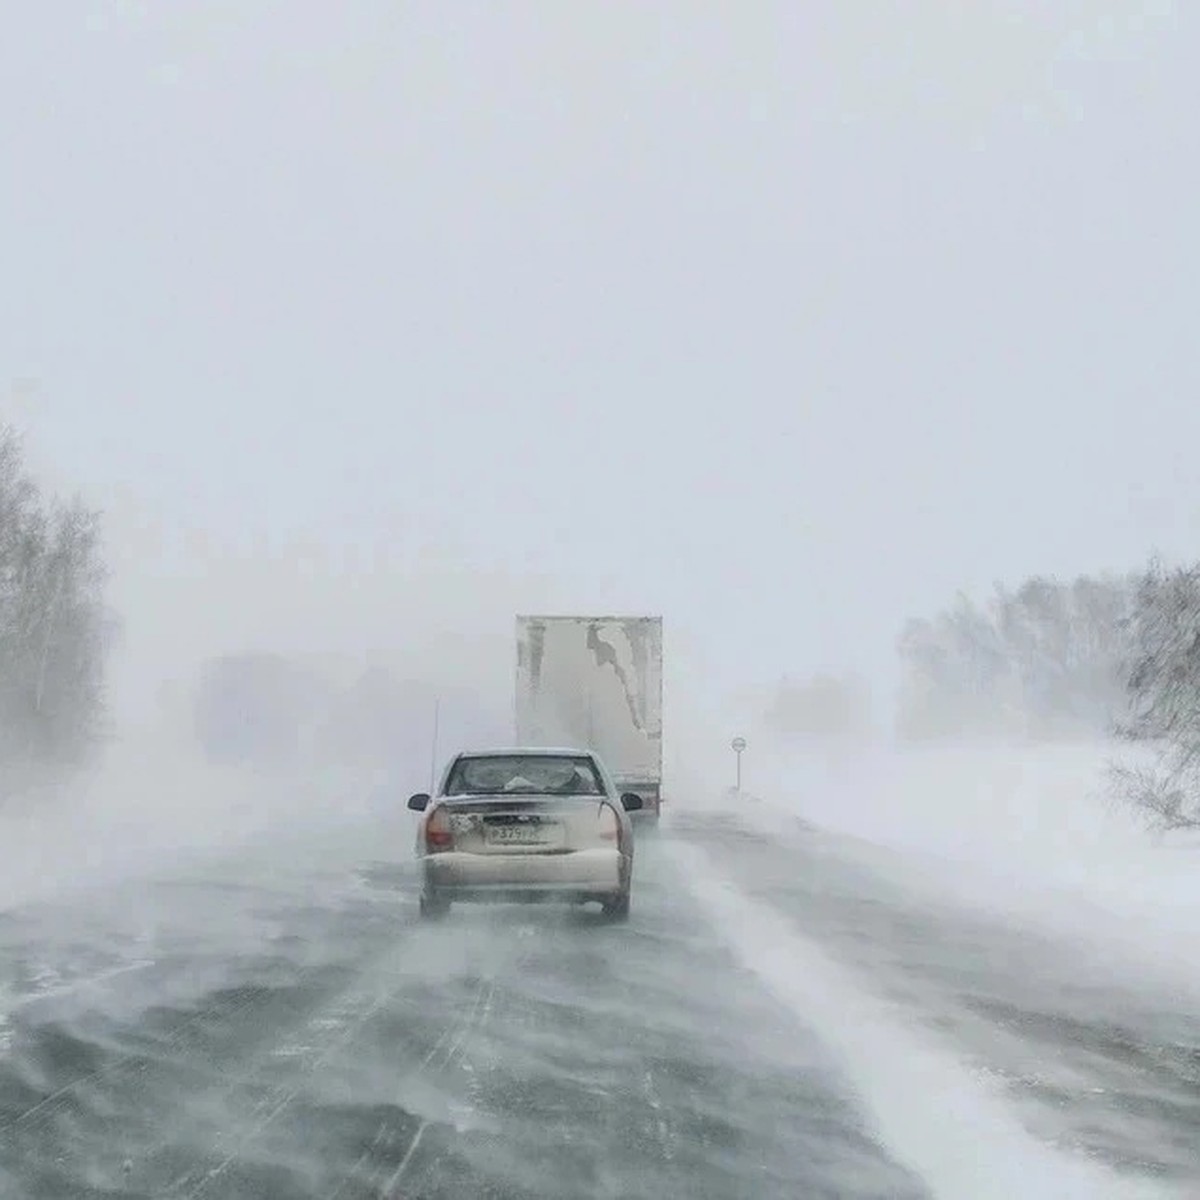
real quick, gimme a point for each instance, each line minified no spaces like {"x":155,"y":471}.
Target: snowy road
{"x":781,"y":1018}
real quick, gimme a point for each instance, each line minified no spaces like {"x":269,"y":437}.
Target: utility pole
{"x":433,"y":751}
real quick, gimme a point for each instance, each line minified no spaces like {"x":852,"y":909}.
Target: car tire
{"x":616,"y":909}
{"x":433,"y":907}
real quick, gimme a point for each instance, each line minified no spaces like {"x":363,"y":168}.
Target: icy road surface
{"x":780,"y":1018}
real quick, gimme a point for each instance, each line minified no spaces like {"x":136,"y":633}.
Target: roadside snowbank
{"x":934,"y":1112}
{"x":1026,"y":831}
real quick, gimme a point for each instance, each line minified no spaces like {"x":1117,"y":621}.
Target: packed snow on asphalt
{"x":874,"y":974}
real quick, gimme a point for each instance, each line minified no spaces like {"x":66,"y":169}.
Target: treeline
{"x":54,"y":627}
{"x":1109,"y":656}
{"x":823,"y":706}
{"x":1050,"y":659}
{"x":267,"y":710}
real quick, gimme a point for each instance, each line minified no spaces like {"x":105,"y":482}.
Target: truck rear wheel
{"x":433,"y":907}
{"x":616,"y":909}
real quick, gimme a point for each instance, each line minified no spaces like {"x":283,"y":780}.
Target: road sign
{"x":738,"y":745}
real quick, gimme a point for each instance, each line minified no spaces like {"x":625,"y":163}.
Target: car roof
{"x":520,"y":751}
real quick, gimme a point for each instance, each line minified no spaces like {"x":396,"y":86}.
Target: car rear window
{"x":526,"y":774}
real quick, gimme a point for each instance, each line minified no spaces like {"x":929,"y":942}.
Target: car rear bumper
{"x":579,"y":873}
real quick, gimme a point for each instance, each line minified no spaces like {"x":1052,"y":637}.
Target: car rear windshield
{"x":527,"y":774}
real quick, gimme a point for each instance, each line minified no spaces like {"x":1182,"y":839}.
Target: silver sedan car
{"x":526,"y":825}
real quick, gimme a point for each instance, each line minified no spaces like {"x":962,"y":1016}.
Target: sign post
{"x":433,"y":749}
{"x":737,"y":746}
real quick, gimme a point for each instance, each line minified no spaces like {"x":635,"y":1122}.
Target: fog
{"x":367,"y":327}
{"x":812,"y":313}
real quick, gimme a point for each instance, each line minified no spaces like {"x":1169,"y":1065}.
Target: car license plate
{"x":518,"y":835}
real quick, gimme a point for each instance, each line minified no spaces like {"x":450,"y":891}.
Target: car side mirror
{"x":632,"y":802}
{"x":419,"y":802}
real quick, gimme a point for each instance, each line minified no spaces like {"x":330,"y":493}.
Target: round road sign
{"x":738,"y":744}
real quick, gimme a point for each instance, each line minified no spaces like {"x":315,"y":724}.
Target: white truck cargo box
{"x":594,"y":682}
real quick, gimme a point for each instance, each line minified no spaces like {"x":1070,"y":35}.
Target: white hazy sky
{"x":371,"y":322}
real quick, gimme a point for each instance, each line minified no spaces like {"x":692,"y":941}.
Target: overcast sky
{"x":374,"y":321}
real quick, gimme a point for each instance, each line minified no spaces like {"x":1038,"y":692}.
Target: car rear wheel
{"x":433,"y":907}
{"x":617,"y":908}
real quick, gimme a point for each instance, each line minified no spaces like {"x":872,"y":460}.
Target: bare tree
{"x":55,"y":630}
{"x":1163,"y":664}
{"x":1163,"y":673}
{"x":1048,"y":658}
{"x":1158,"y":795}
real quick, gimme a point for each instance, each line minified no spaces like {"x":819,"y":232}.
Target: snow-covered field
{"x":1028,"y":830}
{"x":154,"y":802}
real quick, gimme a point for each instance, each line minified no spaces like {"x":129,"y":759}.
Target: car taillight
{"x":610,"y":827}
{"x":439,"y":835}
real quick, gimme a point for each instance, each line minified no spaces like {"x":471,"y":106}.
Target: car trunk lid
{"x":531,"y":825}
